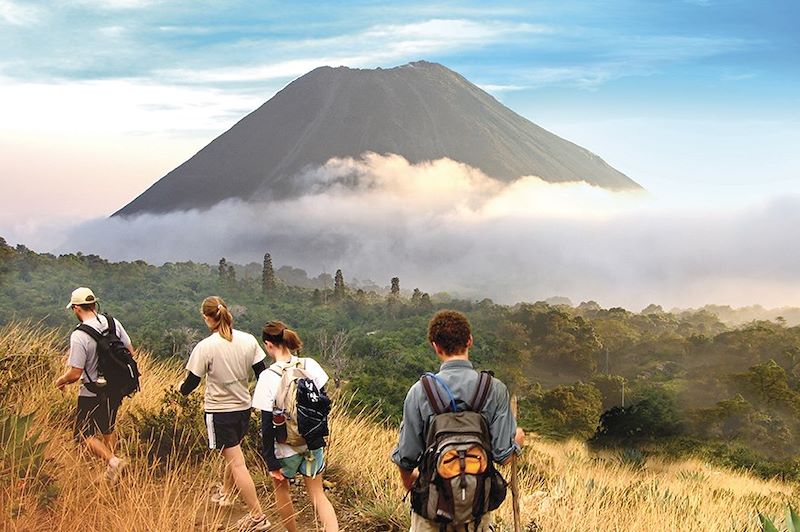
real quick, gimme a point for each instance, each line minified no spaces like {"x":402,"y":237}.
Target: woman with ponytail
{"x":284,"y":460}
{"x":225,"y":358}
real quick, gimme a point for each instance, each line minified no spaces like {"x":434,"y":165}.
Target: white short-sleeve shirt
{"x":267,"y":387}
{"x":226,"y":366}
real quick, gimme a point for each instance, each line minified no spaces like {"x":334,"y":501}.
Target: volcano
{"x":421,"y":111}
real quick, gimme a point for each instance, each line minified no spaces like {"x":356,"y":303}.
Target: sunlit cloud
{"x":442,"y":225}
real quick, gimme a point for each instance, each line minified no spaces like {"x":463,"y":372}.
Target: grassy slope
{"x":563,"y":486}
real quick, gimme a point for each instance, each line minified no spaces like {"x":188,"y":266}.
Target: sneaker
{"x":249,"y":523}
{"x":223,"y":499}
{"x":113,"y":472}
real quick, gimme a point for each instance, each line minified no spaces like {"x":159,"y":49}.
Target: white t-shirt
{"x":267,"y":387}
{"x":226,"y":366}
{"x":83,"y":349}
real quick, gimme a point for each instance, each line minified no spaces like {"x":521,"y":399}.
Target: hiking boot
{"x":223,"y":499}
{"x":249,"y":523}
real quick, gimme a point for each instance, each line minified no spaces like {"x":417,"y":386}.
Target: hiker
{"x":225,"y":358}
{"x":100,"y":395}
{"x":293,"y":442}
{"x":446,"y":460}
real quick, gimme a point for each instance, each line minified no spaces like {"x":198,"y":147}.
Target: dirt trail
{"x":211,"y":517}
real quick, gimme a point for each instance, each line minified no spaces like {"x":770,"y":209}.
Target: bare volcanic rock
{"x":421,"y":111}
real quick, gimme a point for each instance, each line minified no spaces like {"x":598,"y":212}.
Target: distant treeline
{"x":678,"y":382}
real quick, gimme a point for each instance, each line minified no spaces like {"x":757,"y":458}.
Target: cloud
{"x":443,"y":226}
{"x":614,"y":57}
{"x":375,"y":45}
{"x":113,"y":4}
{"x":15,"y":14}
{"x":131,"y":105}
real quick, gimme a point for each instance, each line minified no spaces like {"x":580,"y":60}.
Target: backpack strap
{"x":282,"y":369}
{"x":91,"y":331}
{"x":112,"y":326}
{"x":437,"y":398}
{"x":96,"y":336}
{"x":432,"y":393}
{"x":482,"y":391}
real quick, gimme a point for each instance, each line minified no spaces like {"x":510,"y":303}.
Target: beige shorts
{"x":420,"y":524}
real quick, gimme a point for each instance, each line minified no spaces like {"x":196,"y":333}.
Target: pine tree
{"x":267,"y":275}
{"x":223,"y":269}
{"x":338,"y":286}
{"x":416,"y":297}
{"x":395,"y":292}
{"x":425,"y":300}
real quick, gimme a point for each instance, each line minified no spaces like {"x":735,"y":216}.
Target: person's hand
{"x":519,"y":437}
{"x":277,"y":475}
{"x":60,"y":385}
{"x":410,"y":478}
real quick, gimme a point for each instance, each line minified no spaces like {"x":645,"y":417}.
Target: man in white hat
{"x":96,"y":415}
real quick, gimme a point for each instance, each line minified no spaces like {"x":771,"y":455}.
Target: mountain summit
{"x":421,"y":111}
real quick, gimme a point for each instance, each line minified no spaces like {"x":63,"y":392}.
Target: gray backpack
{"x":457,"y":481}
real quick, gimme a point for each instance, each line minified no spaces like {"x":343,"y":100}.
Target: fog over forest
{"x":443,"y":226}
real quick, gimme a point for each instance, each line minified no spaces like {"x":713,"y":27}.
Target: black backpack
{"x":458,"y":482}
{"x":114,"y":362}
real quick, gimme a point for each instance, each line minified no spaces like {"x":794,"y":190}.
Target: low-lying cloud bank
{"x":443,"y":226}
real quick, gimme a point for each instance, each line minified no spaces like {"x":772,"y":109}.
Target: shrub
{"x":176,"y":431}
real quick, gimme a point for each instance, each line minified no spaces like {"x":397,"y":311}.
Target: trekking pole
{"x":514,"y":480}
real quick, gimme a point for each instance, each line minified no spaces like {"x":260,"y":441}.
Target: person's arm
{"x":76,"y":360}
{"x":258,"y":367}
{"x":410,"y":444}
{"x":69,"y":376}
{"x":408,"y":477}
{"x":503,"y":426}
{"x":188,"y":384}
{"x":196,"y":369}
{"x":519,"y":440}
{"x":268,"y":442}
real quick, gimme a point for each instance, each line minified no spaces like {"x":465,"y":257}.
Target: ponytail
{"x":277,"y":333}
{"x":222,"y":319}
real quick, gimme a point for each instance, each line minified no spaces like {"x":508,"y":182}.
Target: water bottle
{"x":279,"y":422}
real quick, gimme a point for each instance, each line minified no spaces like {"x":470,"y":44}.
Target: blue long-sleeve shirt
{"x":462,"y":380}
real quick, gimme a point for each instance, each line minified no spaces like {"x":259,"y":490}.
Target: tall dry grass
{"x":563,"y":486}
{"x":70,"y":492}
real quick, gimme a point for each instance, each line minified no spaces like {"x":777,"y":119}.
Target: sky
{"x":696,"y":100}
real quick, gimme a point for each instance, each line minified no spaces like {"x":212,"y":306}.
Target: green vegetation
{"x":792,"y":522}
{"x":668,"y":382}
